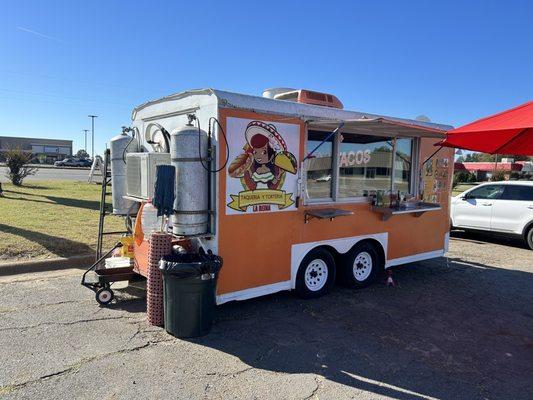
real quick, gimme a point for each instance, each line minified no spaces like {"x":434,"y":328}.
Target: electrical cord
{"x":225,"y":140}
{"x":209,"y":135}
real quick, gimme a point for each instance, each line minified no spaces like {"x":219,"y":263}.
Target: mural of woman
{"x":265,"y":159}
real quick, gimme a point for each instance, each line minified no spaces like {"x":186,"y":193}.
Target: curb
{"x":51,"y":264}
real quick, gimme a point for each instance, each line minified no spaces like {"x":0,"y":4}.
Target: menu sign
{"x":435,"y":180}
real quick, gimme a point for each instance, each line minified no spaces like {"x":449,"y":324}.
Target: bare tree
{"x":17,"y":163}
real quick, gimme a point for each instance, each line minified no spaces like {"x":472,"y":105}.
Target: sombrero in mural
{"x":260,"y":130}
{"x":267,"y":130}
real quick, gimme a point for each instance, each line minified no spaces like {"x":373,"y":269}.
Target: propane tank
{"x":120,"y":145}
{"x":190,"y":205}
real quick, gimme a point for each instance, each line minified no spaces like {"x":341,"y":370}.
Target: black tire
{"x":369,"y":266}
{"x":104,"y":296}
{"x":316,"y":274}
{"x":529,"y":237}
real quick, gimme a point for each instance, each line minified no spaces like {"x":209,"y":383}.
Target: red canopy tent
{"x":508,"y":132}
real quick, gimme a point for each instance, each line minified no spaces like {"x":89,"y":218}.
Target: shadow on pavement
{"x":487,"y":238}
{"x":131,"y":299}
{"x":449,"y":330}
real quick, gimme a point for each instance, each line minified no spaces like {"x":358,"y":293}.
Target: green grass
{"x":46,"y":219}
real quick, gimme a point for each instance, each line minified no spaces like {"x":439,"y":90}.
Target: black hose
{"x":166,"y":135}
{"x":225,"y":140}
{"x":200,"y":146}
{"x":126,"y":148}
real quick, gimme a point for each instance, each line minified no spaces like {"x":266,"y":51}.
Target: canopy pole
{"x":324,"y":141}
{"x":433,"y":155}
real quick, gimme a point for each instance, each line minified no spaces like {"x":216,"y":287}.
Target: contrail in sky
{"x":23,"y":29}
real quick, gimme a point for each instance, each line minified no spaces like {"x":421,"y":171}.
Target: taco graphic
{"x":265,"y":159}
{"x":262,"y":168}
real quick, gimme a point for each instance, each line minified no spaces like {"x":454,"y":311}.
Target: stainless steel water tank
{"x":188,"y":151}
{"x":119,"y":146}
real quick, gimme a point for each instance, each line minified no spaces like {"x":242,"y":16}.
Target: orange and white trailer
{"x":297,"y":195}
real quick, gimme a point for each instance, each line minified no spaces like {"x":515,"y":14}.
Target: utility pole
{"x":92,"y":117}
{"x":85,"y":132}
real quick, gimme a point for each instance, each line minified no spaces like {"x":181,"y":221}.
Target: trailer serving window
{"x":366,"y":154}
{"x":364,"y":164}
{"x":320,"y":166}
{"x":403,"y":161}
{"x":348,"y":166}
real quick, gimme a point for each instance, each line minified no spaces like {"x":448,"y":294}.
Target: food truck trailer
{"x":290,"y":189}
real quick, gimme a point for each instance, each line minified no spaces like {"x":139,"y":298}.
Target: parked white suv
{"x":503,"y":207}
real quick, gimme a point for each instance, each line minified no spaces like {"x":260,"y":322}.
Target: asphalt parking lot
{"x":73,"y":174}
{"x":455,"y":328}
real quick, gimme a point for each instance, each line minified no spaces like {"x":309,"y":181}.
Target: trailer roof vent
{"x":303,"y":96}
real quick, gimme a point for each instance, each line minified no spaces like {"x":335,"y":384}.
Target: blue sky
{"x":453,"y":61}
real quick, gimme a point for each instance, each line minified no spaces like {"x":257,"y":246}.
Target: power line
{"x":62,"y":97}
{"x":91,"y":84}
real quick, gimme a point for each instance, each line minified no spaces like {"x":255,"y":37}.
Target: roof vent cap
{"x":303,"y":96}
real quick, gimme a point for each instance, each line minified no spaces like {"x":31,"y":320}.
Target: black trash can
{"x":189,"y":293}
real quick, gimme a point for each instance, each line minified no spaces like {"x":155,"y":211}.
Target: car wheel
{"x":316,"y":274}
{"x":361,"y":266}
{"x":529,"y":237}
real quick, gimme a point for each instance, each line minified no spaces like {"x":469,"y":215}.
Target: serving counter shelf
{"x":326,"y":213}
{"x":417,"y":210}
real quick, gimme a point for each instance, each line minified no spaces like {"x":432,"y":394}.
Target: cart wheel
{"x":316,"y":274}
{"x":361,"y":266}
{"x":104,"y":296}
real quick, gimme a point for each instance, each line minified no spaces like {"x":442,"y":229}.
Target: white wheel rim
{"x":362,"y":266}
{"x":104,"y":296}
{"x":316,"y":275}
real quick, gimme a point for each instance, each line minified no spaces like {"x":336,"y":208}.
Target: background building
{"x":46,"y":151}
{"x":484,"y":170}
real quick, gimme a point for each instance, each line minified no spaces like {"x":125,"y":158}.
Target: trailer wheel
{"x":104,"y":296}
{"x":361,"y":266}
{"x":316,"y":274}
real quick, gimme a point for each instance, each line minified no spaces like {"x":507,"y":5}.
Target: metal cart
{"x":105,"y":277}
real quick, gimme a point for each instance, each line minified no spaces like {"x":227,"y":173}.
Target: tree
{"x":498,"y":175}
{"x":82,"y":154}
{"x":17,"y":163}
{"x":463,"y":177}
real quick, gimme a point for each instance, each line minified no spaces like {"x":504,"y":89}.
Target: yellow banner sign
{"x":248,"y":198}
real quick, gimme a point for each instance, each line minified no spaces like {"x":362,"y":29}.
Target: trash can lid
{"x":190,"y":264}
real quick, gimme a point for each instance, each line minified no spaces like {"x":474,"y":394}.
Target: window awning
{"x":380,"y":127}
